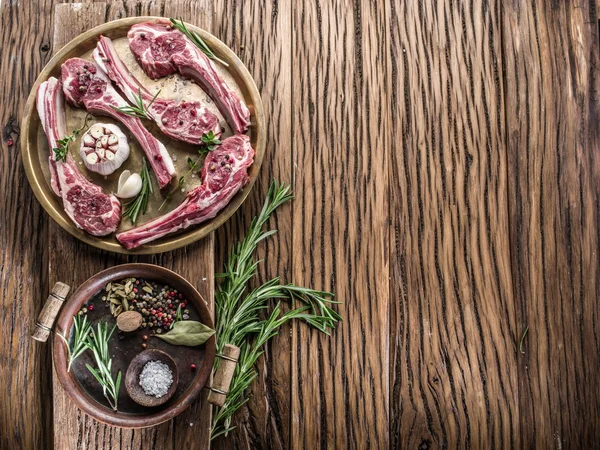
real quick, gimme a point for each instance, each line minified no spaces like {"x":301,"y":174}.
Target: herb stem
{"x":81,"y":331}
{"x":138,"y":109}
{"x":197,"y":40}
{"x":208,"y":142}
{"x":61,"y":152}
{"x":140,"y":203}
{"x":239,"y":312}
{"x":98,"y":343}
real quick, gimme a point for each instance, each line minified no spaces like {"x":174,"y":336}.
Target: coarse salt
{"x":156,"y":378}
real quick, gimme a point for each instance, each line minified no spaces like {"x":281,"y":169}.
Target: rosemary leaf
{"x":197,"y":40}
{"x":98,"y":343}
{"x":139,"y":205}
{"x":81,"y":330}
{"x":61,"y":152}
{"x":208,"y":143}
{"x":239,"y":312}
{"x":138,"y":109}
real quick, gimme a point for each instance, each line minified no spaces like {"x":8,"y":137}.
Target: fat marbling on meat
{"x":185,"y":120}
{"x":224,"y":173}
{"x":84,"y":202}
{"x":85,"y":85}
{"x":162,"y":50}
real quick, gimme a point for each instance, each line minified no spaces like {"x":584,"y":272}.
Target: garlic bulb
{"x":104,"y":148}
{"x":130,"y":184}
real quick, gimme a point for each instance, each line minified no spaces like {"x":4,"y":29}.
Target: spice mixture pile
{"x":160,"y":305}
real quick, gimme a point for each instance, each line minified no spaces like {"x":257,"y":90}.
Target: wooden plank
{"x":340,"y":145}
{"x":452,"y":342}
{"x":554,"y":192}
{"x":260,"y":33}
{"x":74,"y":262}
{"x":25,"y":379}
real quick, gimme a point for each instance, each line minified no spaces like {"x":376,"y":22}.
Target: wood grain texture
{"x":23,"y":226}
{"x":452,"y":345}
{"x":552,"y":60}
{"x":74,"y":262}
{"x":260,"y":33}
{"x":341,"y":131}
{"x":445,"y":159}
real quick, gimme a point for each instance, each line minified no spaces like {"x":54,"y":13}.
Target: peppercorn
{"x":159,"y":331}
{"x":144,"y":346}
{"x":144,"y":337}
{"x":193,"y":367}
{"x":90,"y":307}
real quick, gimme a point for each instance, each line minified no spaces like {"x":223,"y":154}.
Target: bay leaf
{"x":187,"y":332}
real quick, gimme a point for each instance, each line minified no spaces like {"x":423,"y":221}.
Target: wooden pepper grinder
{"x":47,"y":316}
{"x":224,"y":374}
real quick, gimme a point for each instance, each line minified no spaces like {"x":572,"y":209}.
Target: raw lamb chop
{"x":162,"y":50}
{"x":225,"y":172}
{"x":84,"y":84}
{"x":84,"y":202}
{"x":184,"y":121}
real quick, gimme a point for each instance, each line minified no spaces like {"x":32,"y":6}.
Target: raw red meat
{"x":84,"y":84}
{"x":184,"y":121}
{"x":224,"y":173}
{"x":84,"y":202}
{"x":162,"y":50}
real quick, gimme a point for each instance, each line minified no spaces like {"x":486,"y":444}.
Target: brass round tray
{"x":35,"y":152}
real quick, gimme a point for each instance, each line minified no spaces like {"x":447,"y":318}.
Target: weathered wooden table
{"x":445,"y":158}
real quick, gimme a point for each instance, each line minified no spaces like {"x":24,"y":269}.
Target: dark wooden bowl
{"x":132,"y":378}
{"x":85,"y":392}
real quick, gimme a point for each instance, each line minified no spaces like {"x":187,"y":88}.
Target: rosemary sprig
{"x":138,"y":109}
{"x":196,"y":40}
{"x":61,"y":152}
{"x":238,"y":312}
{"x":208,"y":143}
{"x":98,"y":343}
{"x":140,"y":203}
{"x":80,"y":339}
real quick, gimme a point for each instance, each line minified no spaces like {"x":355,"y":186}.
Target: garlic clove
{"x":104,"y":141}
{"x":89,"y":141}
{"x":97,"y":131}
{"x":109,"y":155}
{"x":131,"y":187}
{"x":100,"y":152}
{"x":123,"y":178}
{"x":113,"y":139}
{"x":92,"y":158}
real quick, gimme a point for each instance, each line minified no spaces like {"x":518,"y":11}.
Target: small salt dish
{"x":132,"y":377}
